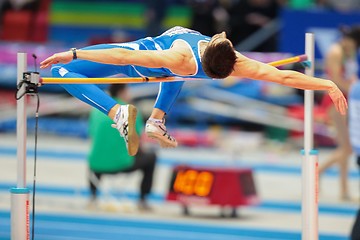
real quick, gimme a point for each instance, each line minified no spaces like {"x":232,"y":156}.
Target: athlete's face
{"x":220,"y":37}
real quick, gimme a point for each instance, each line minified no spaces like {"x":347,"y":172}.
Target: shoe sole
{"x":160,"y":138}
{"x":133,"y":138}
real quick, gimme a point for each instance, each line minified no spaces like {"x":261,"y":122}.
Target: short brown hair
{"x":218,"y":60}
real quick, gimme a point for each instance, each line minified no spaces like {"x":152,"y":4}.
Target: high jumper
{"x":178,"y":52}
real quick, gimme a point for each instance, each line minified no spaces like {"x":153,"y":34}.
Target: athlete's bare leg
{"x":341,"y":154}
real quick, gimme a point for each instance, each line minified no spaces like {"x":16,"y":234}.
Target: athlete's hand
{"x":338,"y":99}
{"x":62,"y":57}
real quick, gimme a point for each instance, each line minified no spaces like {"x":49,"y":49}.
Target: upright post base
{"x":310,"y":192}
{"x":20,"y":227}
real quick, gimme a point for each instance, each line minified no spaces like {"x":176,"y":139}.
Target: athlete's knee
{"x":344,"y":154}
{"x":348,"y":151}
{"x":346,"y":148}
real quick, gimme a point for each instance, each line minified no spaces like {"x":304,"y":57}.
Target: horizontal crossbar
{"x":49,"y":80}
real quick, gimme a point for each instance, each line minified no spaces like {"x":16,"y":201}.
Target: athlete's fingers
{"x":338,"y":99}
{"x":47,"y":62}
{"x":62,"y":57}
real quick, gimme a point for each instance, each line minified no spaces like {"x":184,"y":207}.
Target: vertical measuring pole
{"x":310,"y":157}
{"x":20,"y":229}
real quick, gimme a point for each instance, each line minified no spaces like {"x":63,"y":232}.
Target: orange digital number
{"x":192,"y":182}
{"x":189,"y":182}
{"x":179,"y":181}
{"x":203,"y":184}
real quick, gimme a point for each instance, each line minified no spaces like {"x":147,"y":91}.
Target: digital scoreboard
{"x":225,"y":187}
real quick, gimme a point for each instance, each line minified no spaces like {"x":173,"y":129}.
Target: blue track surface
{"x":56,"y":226}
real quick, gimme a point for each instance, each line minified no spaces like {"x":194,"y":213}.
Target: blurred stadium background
{"x":238,"y":124}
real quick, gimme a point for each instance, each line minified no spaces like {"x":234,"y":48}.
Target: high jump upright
{"x":309,"y":207}
{"x":20,"y":223}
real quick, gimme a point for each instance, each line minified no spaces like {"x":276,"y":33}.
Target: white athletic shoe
{"x":157,"y":131}
{"x":126,"y":126}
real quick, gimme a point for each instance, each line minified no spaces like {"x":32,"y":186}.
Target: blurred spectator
{"x":341,"y":66}
{"x":20,"y":4}
{"x":3,"y":6}
{"x":17,"y":5}
{"x":250,"y":16}
{"x":155,"y":14}
{"x":344,"y":5}
{"x":3,"y":3}
{"x":18,"y":18}
{"x":221,"y":15}
{"x":108,"y":154}
{"x":209,"y":16}
{"x":202,"y":19}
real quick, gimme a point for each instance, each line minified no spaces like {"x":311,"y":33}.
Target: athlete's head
{"x":219,"y":57}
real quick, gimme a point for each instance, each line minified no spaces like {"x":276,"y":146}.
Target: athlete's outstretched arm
{"x":120,"y":56}
{"x":248,"y":68}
